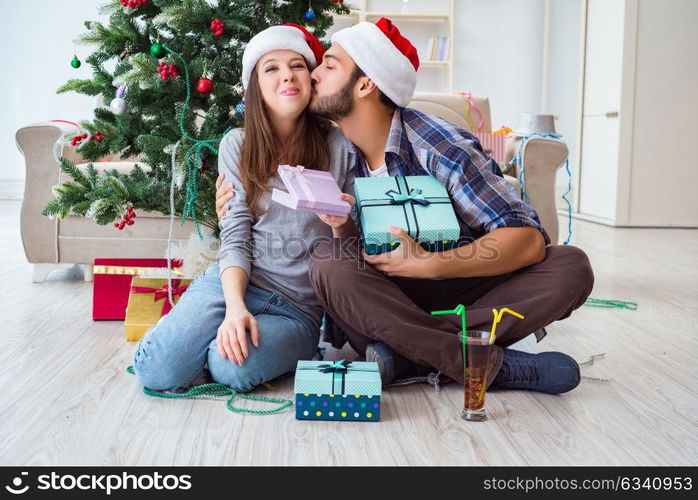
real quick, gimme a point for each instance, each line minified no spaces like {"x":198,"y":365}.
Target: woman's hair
{"x":262,"y":152}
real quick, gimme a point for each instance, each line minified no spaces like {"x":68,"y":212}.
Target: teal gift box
{"x":419,"y":204}
{"x":338,"y":390}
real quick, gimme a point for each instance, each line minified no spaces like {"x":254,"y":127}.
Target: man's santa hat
{"x":385,"y":56}
{"x":286,"y":37}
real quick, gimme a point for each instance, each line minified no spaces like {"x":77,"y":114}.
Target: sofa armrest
{"x":39,"y":233}
{"x":541,"y":158}
{"x":452,"y":108}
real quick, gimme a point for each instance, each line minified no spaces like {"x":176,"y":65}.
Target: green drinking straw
{"x":611,"y":304}
{"x":460,"y":309}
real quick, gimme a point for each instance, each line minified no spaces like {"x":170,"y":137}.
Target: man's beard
{"x":336,"y":106}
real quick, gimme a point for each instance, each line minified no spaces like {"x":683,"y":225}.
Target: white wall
{"x":562,"y":99}
{"x":36,"y":37}
{"x":498,"y":51}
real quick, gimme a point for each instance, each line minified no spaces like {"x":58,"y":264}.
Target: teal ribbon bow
{"x":415,"y":196}
{"x":340,"y":366}
{"x":338,"y":369}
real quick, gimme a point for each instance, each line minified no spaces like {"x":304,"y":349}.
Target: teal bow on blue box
{"x":419,"y":204}
{"x":337,"y":390}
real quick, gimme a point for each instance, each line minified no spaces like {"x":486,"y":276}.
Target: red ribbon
{"x":159,"y":293}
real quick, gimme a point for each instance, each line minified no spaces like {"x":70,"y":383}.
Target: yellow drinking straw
{"x":498,"y":317}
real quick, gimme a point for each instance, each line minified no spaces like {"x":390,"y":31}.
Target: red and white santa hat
{"x":285,"y":37}
{"x":384,"y":55}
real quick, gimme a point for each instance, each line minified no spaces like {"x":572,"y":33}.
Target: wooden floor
{"x":66,"y":398}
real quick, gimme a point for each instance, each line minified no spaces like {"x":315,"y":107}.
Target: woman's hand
{"x":335,"y":221}
{"x":223,"y":194}
{"x":232,"y":335}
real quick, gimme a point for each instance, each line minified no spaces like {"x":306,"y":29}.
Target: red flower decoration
{"x":217,"y":27}
{"x":133,"y":3}
{"x":126,"y":219}
{"x":167,"y":71}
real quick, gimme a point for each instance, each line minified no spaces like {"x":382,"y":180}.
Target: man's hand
{"x":409,"y":260}
{"x":223,"y":194}
{"x":232,"y":335}
{"x":335,"y":221}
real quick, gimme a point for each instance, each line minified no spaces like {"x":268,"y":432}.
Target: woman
{"x":254,"y":314}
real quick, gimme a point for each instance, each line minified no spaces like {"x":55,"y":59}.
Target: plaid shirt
{"x":422,"y":144}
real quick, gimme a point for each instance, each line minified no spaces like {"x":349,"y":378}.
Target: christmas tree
{"x":174,"y":91}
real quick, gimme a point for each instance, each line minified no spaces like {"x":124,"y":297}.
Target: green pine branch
{"x":87,"y":87}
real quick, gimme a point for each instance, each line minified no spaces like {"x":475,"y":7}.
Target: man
{"x":366,"y":79}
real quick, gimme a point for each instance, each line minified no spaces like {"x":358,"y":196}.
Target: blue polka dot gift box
{"x":338,"y":390}
{"x":417,"y":203}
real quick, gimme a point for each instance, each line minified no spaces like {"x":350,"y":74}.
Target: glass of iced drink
{"x":478,"y":349}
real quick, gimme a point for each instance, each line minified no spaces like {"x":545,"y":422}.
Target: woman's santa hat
{"x":286,"y":37}
{"x":384,"y":55}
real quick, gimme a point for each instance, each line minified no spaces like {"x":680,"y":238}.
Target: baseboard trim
{"x":607,"y":222}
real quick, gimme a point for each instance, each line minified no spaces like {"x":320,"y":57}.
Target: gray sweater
{"x":274,"y":248}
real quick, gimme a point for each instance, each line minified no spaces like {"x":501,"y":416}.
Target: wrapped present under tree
{"x":148,"y":301}
{"x":112,"y":284}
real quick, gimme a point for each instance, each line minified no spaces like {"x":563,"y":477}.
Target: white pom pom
{"x":196,"y":254}
{"x":118,"y":106}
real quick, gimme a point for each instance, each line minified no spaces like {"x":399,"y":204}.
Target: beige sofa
{"x":53,"y":243}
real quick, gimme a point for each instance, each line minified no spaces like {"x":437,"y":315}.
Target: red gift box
{"x":112,"y":283}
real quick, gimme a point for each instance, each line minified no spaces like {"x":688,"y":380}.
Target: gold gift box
{"x":144,"y":309}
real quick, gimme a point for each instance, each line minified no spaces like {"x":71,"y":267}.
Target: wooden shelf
{"x":431,"y":62}
{"x":409,"y":15}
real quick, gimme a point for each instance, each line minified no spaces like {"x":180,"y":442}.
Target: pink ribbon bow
{"x":297,"y":172}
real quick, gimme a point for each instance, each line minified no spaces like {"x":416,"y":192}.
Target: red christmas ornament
{"x":97,"y":136}
{"x":217,"y":27}
{"x":204,"y":85}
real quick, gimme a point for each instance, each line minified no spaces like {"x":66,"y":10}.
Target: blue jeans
{"x":174,"y":352}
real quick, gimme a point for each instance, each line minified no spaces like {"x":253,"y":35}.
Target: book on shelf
{"x":430,"y":48}
{"x":438,"y":48}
